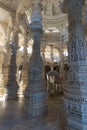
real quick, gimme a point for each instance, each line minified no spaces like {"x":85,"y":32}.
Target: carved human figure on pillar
{"x":36,"y":88}
{"x":57,"y":10}
{"x":12,"y":86}
{"x":49,"y":8}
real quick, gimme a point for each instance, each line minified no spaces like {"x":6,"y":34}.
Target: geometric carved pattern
{"x":77,"y":51}
{"x":76,"y":92}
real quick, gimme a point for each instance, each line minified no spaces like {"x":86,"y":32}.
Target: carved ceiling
{"x":54,"y":21}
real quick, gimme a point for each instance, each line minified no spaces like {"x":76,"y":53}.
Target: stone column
{"x":25,"y":65}
{"x":12,"y":86}
{"x":7,"y":55}
{"x":76,"y":91}
{"x":36,"y":88}
{"x":43,"y":53}
{"x":61,"y":63}
{"x":52,"y":61}
{"x":2,"y":88}
{"x":61,"y":69}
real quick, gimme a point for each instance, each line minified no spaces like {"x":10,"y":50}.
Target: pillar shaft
{"x":7,"y":55}
{"x":76,"y":92}
{"x":12,"y":86}
{"x":43,"y":53}
{"x":25,"y":65}
{"x":36,"y":88}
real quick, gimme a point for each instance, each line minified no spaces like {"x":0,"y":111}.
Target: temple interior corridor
{"x":43,"y":64}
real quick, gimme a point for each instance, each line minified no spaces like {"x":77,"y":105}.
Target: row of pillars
{"x":35,"y":93}
{"x":76,"y":92}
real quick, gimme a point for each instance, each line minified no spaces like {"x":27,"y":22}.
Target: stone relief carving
{"x":51,"y":8}
{"x":73,"y":75}
{"x":77,"y":55}
{"x":81,"y":50}
{"x":57,"y":10}
{"x":73,"y":55}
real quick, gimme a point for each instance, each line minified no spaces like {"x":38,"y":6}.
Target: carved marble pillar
{"x":7,"y":55}
{"x":2,"y":88}
{"x":35,"y":92}
{"x":52,"y":61}
{"x":76,"y":91}
{"x":43,"y":53}
{"x":61,"y":70}
{"x":25,"y":65}
{"x":12,"y":86}
{"x":7,"y":38}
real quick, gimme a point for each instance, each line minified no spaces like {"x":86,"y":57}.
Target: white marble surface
{"x":13,"y":117}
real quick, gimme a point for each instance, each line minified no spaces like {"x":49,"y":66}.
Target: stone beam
{"x":6,"y":8}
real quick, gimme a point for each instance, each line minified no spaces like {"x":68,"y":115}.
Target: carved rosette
{"x":36,"y":88}
{"x":12,"y":86}
{"x":76,"y":92}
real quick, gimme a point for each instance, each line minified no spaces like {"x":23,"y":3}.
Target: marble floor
{"x":12,"y":116}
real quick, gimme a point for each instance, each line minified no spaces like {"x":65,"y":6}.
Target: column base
{"x":76,"y":115}
{"x":34,"y":110}
{"x":36,"y":106}
{"x":12,"y":91}
{"x":12,"y":95}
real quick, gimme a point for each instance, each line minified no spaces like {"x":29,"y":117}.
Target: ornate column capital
{"x":36,"y":12}
{"x":36,"y":16}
